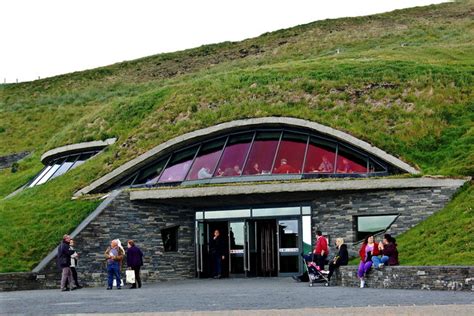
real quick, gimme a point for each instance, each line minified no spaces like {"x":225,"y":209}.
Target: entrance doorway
{"x":255,"y":247}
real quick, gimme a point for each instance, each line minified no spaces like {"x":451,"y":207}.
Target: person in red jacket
{"x":369,"y":248}
{"x":321,"y":249}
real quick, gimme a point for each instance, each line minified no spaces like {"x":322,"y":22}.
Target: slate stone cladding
{"x":8,"y":160}
{"x":408,"y":277}
{"x":333,"y":213}
{"x":141,"y":222}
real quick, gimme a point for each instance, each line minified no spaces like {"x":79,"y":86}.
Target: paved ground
{"x":237,"y":296}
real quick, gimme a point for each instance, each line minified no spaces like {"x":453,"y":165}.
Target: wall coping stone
{"x":336,"y":185}
{"x":135,"y":164}
{"x":73,"y":148}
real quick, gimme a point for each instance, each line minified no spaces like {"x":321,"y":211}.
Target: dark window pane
{"x":291,"y":153}
{"x":150,"y":175}
{"x":234,"y":155}
{"x":170,"y":238}
{"x":179,"y":165}
{"x":262,"y":153}
{"x":205,"y":163}
{"x":349,"y":161}
{"x":374,"y":166}
{"x":320,"y":157}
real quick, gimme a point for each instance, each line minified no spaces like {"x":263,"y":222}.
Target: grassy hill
{"x":401,"y":81}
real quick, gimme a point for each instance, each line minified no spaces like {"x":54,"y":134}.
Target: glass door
{"x":237,"y":248}
{"x":288,"y":247}
{"x":201,"y":251}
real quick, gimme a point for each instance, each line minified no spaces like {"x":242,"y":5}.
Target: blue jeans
{"x":379,"y":260}
{"x":113,"y":270}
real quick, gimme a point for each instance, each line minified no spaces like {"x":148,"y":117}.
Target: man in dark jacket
{"x":217,"y":249}
{"x":134,"y":262}
{"x":64,"y":262}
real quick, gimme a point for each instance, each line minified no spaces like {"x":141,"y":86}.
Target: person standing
{"x":321,"y":249}
{"x":64,"y":262}
{"x":216,"y":247}
{"x":113,"y":255}
{"x":134,"y":262}
{"x":74,"y":259}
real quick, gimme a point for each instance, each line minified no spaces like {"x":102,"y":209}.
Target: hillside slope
{"x":401,"y":81}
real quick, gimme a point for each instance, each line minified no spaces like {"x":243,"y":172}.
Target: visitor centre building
{"x":267,"y":184}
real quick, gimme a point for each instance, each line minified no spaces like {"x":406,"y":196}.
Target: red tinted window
{"x":349,"y":161}
{"x":233,"y":158}
{"x":290,"y":153}
{"x":320,"y":157}
{"x":205,"y":163}
{"x":262,"y":153}
{"x":178,"y":166}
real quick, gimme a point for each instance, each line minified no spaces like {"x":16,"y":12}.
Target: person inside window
{"x":325,"y":165}
{"x":204,"y":173}
{"x":345,"y":166}
{"x":285,"y":167}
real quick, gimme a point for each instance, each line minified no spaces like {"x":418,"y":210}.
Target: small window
{"x":371,"y":225}
{"x":170,"y":238}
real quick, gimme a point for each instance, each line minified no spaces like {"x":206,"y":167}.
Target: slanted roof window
{"x":261,"y":154}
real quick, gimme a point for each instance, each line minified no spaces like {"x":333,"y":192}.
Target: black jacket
{"x":64,"y":255}
{"x":342,"y":257}
{"x":216,"y":246}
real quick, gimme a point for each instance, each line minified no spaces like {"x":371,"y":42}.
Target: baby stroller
{"x":315,"y":275}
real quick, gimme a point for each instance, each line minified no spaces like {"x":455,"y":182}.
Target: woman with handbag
{"x":134,"y":262}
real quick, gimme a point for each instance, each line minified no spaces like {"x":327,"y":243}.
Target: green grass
{"x":402,"y":82}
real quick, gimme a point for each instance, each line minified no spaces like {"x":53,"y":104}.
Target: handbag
{"x":130,"y":276}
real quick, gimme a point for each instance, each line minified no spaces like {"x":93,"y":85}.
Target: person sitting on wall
{"x":285,"y":167}
{"x":204,"y":173}
{"x":341,"y":259}
{"x":345,"y":167}
{"x":325,"y":165}
{"x":321,"y":249}
{"x":388,"y":248}
{"x":368,"y":249}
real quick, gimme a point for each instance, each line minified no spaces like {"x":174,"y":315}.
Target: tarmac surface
{"x":259,"y":296}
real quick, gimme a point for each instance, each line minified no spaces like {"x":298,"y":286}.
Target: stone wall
{"x":8,"y":160}
{"x":335,"y":214}
{"x":450,"y":278}
{"x":141,"y":222}
{"x":21,"y":281}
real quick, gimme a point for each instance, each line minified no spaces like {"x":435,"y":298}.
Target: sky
{"x":44,"y":38}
